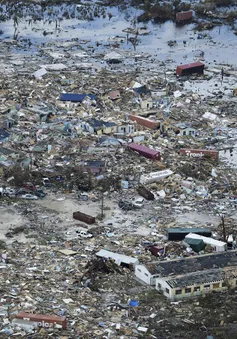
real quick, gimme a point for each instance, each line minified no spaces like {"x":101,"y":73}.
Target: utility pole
{"x":222,"y":75}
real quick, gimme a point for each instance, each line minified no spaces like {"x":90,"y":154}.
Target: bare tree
{"x":134,"y":41}
{"x":223,"y":226}
{"x":15,"y":24}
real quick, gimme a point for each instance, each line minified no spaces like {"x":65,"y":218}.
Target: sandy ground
{"x":58,"y":210}
{"x":65,"y":205}
{"x":10,"y":218}
{"x":198,"y":219}
{"x":55,"y":213}
{"x":114,"y":216}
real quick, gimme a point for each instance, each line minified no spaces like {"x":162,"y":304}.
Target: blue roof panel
{"x":76,"y":97}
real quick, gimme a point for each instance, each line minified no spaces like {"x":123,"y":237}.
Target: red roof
{"x":194,"y":64}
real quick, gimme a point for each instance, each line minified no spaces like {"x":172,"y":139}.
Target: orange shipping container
{"x":194,"y":67}
{"x":145,"y":122}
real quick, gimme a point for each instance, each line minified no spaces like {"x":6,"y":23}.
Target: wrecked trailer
{"x":83,"y":217}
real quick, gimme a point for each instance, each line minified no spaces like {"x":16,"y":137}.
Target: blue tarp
{"x":76,"y":97}
{"x":134,"y":303}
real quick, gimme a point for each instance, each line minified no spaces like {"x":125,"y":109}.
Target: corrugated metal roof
{"x":193,"y":264}
{"x":189,"y":230}
{"x":196,"y":278}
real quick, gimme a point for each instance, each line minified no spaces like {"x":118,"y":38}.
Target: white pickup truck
{"x":84,"y":234}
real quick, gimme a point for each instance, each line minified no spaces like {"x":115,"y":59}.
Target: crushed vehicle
{"x":46,"y":182}
{"x":30,"y":186}
{"x":126,"y":205}
{"x":138,"y":202}
{"x":29,"y":197}
{"x":21,"y":191}
{"x":10,"y":192}
{"x":40,"y":193}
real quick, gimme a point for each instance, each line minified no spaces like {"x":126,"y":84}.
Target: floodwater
{"x":56,"y":26}
{"x":66,"y":28}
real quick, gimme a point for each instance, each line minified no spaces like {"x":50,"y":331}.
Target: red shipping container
{"x":145,"y":151}
{"x":194,"y":67}
{"x":145,"y":122}
{"x":83,"y":217}
{"x":40,"y":320}
{"x":183,"y":16}
{"x":199,"y":153}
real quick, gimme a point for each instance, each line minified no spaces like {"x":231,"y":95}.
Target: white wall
{"x":143,"y":274}
{"x":147,"y":104}
{"x":128,"y":129}
{"x":185,"y":132}
{"x":163,"y":287}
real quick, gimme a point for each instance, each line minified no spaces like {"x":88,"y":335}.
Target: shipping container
{"x":83,"y":217}
{"x":197,"y":245}
{"x":145,"y":122}
{"x":195,"y":67}
{"x":145,"y":151}
{"x":155,"y":176}
{"x":41,"y":320}
{"x":200,"y":153}
{"x":145,"y":193}
{"x":183,"y":17}
{"x":179,"y":233}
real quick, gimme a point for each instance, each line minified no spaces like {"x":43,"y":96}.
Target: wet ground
{"x":65,"y":22}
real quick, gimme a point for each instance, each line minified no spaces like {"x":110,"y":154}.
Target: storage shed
{"x":195,"y":67}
